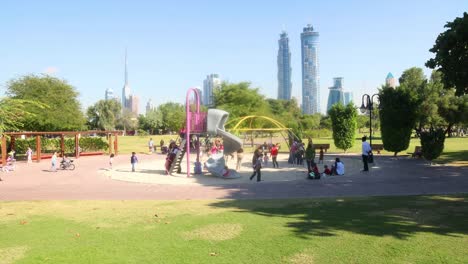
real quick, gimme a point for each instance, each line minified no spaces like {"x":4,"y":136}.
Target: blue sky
{"x":173,"y":45}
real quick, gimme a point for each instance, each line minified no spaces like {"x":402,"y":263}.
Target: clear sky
{"x":173,"y":45}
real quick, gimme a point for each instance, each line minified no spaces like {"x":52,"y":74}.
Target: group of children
{"x":336,"y":169}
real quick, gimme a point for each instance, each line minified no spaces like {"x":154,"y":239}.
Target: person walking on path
{"x":310,"y":154}
{"x":133,"y":160}
{"x":111,"y":160}
{"x":366,"y":150}
{"x":53,"y":162}
{"x":274,"y":155}
{"x":240,"y":155}
{"x":257,"y":165}
{"x":151,"y":146}
{"x":29,"y":155}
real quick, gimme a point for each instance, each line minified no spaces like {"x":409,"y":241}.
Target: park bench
{"x":377,"y":147}
{"x":417,"y":152}
{"x":324,"y":146}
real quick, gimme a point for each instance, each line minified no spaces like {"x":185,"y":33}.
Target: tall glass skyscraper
{"x":336,"y":94}
{"x":310,"y":71}
{"x":284,"y":68}
{"x":211,"y":82}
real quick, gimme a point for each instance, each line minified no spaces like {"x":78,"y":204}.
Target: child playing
{"x":313,"y":172}
{"x":133,"y":160}
{"x":265,"y":159}
{"x":321,"y":156}
{"x":327,"y":171}
{"x":111,"y":160}
{"x":29,"y":155}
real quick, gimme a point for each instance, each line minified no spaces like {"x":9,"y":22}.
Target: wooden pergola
{"x":62,"y":134}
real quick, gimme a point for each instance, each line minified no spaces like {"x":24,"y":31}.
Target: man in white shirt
{"x":366,"y":149}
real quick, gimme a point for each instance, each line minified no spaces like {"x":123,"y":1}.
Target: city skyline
{"x":82,"y":42}
{"x":310,"y":70}
{"x":284,"y":67}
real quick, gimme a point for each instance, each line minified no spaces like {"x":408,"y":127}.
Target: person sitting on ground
{"x":338,"y":168}
{"x":313,"y":172}
{"x":327,"y":171}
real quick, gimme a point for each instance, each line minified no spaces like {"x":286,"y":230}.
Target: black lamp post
{"x":368,"y":104}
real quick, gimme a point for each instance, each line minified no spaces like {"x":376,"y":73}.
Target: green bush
{"x":93,"y":144}
{"x":141,"y":132}
{"x":344,"y":125}
{"x":432,"y":143}
{"x":317,"y":133}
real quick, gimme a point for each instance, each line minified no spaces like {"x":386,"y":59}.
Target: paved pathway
{"x":91,"y":181}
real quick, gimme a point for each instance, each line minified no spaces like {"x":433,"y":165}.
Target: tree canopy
{"x":64,"y":111}
{"x":104,"y":115}
{"x":451,"y":55}
{"x":344,"y":125}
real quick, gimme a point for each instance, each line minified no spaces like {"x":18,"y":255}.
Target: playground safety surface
{"x":93,"y":179}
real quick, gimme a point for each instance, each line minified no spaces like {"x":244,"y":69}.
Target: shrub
{"x":432,"y":143}
{"x":344,"y":125}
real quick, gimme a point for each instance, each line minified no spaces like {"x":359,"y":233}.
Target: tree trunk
{"x":395,"y":154}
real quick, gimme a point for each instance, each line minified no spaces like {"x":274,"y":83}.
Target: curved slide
{"x":215,"y":126}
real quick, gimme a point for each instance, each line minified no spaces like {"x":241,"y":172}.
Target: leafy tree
{"x":104,"y":114}
{"x":64,"y":111}
{"x":173,"y":116}
{"x":128,"y":120}
{"x":309,"y":122}
{"x":398,"y":113}
{"x":14,"y":112}
{"x":451,"y":55}
{"x":151,"y":122}
{"x":239,"y":99}
{"x":362,"y":121}
{"x":343,"y":125}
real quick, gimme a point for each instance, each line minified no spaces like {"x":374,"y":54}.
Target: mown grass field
{"x":414,"y":229}
{"x":455,"y":152}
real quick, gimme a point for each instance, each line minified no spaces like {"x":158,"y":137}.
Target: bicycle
{"x":67,"y":165}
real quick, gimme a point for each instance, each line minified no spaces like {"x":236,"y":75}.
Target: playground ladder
{"x":175,"y":166}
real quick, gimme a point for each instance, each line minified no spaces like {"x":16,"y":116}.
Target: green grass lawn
{"x":414,"y":229}
{"x":455,"y":152}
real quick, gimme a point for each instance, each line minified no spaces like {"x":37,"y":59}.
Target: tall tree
{"x":398,"y":112}
{"x":14,"y":112}
{"x":451,"y":55}
{"x":151,"y":122}
{"x":64,"y":111}
{"x":104,"y":114}
{"x":239,"y":99}
{"x":128,"y":120}
{"x":344,"y":124}
{"x":173,"y":116}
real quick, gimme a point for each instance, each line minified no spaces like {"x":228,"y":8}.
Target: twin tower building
{"x":310,"y":73}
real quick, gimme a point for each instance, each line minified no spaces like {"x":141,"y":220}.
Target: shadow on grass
{"x":456,"y":157}
{"x":399,"y":217}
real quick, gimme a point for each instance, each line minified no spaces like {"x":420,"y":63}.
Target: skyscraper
{"x":348,"y":97}
{"x":126,"y":88}
{"x":109,"y":94}
{"x":310,"y":71}
{"x":336,"y":94}
{"x":211,"y":82}
{"x":149,"y":106}
{"x":133,"y":104}
{"x":390,"y":80}
{"x":284,"y":68}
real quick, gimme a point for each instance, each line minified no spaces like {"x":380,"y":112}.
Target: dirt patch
{"x":12,"y":254}
{"x":215,"y":232}
{"x":301,"y":258}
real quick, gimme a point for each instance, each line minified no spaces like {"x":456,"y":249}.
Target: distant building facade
{"x":129,"y":100}
{"x":348,"y":97}
{"x":336,"y":94}
{"x":211,"y":82}
{"x":134,"y":102}
{"x":390,"y":80}
{"x":109,"y":94}
{"x":149,"y":106}
{"x":310,"y":71}
{"x":284,"y":68}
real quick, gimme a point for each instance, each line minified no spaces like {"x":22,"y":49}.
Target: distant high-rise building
{"x":284,"y":68}
{"x":348,"y":97}
{"x":149,"y":106}
{"x":134,"y":102}
{"x":109,"y":94}
{"x":336,"y":94}
{"x":126,"y":89}
{"x":200,"y":94}
{"x":211,"y":82}
{"x":390,"y":80}
{"x":310,"y":71}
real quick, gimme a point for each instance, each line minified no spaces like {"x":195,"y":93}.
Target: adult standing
{"x":257,"y":165}
{"x":240,"y":155}
{"x":151,"y":145}
{"x":366,"y":150}
{"x":274,"y":155}
{"x":310,"y":154}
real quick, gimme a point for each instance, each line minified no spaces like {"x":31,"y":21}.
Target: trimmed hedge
{"x":49,"y":145}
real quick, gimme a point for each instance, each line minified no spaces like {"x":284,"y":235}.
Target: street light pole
{"x":368,"y":104}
